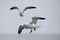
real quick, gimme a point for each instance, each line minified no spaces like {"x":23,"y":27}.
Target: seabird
{"x":21,"y":13}
{"x":31,"y":25}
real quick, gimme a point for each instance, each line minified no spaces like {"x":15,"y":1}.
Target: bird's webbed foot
{"x":31,"y":31}
{"x":34,"y":29}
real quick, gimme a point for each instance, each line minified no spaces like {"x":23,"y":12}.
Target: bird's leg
{"x":31,"y":31}
{"x":34,"y":29}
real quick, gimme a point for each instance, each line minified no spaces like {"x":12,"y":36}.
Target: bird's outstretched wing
{"x":29,"y":7}
{"x":34,"y":19}
{"x":15,"y":7}
{"x":20,"y":29}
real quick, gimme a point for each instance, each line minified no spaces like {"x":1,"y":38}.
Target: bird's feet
{"x":31,"y":31}
{"x":34,"y":29}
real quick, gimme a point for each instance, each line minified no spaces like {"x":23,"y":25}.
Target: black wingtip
{"x":19,"y":31}
{"x":32,"y":7}
{"x":42,"y":18}
{"x":13,"y":8}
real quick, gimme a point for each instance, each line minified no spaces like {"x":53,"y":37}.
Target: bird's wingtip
{"x":13,"y":8}
{"x":42,"y":18}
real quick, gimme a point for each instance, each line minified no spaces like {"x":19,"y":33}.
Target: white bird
{"x":31,"y":25}
{"x":21,"y":13}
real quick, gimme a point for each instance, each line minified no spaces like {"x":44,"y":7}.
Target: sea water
{"x":30,"y":37}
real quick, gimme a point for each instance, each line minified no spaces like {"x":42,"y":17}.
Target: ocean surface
{"x":30,"y":37}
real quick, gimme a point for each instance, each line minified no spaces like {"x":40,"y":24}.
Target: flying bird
{"x":21,"y":13}
{"x":31,"y":25}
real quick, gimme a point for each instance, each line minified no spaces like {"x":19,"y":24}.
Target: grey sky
{"x":10,"y":20}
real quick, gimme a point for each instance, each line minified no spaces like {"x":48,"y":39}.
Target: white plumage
{"x":31,"y":25}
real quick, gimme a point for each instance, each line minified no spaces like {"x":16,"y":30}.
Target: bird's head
{"x":21,"y":26}
{"x":21,"y":14}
